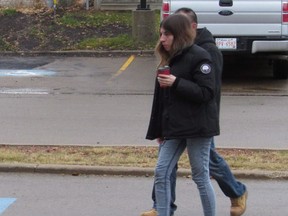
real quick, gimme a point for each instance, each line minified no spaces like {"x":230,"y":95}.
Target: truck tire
{"x":280,"y":69}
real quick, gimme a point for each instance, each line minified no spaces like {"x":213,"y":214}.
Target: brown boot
{"x":238,"y":205}
{"x":151,"y":212}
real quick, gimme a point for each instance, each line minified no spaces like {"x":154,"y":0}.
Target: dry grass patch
{"x":140,"y":156}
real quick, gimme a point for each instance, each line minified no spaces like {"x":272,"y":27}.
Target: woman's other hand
{"x":160,"y":140}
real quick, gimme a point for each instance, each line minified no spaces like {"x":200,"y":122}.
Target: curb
{"x":76,"y":170}
{"x":81,"y":53}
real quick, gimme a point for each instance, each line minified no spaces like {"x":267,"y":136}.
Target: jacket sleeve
{"x":154,"y":128}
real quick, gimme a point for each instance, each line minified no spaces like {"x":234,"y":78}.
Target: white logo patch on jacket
{"x":205,"y":68}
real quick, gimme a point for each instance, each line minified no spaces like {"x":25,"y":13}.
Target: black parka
{"x":188,"y":108}
{"x":205,"y":40}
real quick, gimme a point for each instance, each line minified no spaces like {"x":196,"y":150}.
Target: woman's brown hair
{"x":180,"y":27}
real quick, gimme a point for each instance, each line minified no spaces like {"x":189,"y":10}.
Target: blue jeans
{"x":219,"y":170}
{"x":173,"y":178}
{"x":198,"y":152}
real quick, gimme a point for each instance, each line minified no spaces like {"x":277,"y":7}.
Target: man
{"x":218,"y":167}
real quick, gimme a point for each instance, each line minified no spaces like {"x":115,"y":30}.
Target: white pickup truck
{"x":248,"y":28}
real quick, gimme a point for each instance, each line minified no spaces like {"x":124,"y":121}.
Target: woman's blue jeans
{"x":198,"y":152}
{"x":219,"y":170}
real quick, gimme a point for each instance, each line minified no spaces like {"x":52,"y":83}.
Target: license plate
{"x":226,"y":43}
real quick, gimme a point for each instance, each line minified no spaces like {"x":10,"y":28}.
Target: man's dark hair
{"x":188,"y":11}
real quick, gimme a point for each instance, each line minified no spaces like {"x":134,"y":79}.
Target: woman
{"x":184,"y":112}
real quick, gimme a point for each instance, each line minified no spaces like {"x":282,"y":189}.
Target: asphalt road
{"x":49,"y":195}
{"x":107,"y":101}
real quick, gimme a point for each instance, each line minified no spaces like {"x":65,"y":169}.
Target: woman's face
{"x":166,"y":39}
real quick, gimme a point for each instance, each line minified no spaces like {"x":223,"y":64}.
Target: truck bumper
{"x":269,"y":46}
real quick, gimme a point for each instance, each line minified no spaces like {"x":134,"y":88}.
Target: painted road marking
{"x":5,"y":203}
{"x":123,"y":67}
{"x":26,"y":73}
{"x":24,"y":91}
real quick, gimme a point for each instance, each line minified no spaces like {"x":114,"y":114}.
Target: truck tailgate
{"x":240,"y":19}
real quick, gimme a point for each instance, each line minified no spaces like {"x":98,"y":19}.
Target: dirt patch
{"x":39,"y":31}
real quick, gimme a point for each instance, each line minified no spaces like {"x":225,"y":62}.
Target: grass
{"x":8,"y":12}
{"x":121,"y":42}
{"x":99,"y":19}
{"x":102,"y":19}
{"x":241,"y":159}
{"x":4,"y":46}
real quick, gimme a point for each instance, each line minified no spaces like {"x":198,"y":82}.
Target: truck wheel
{"x":280,"y":69}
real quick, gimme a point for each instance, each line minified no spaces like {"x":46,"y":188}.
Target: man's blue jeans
{"x":198,"y":152}
{"x":219,"y":170}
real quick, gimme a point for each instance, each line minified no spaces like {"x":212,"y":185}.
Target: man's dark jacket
{"x":205,"y":40}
